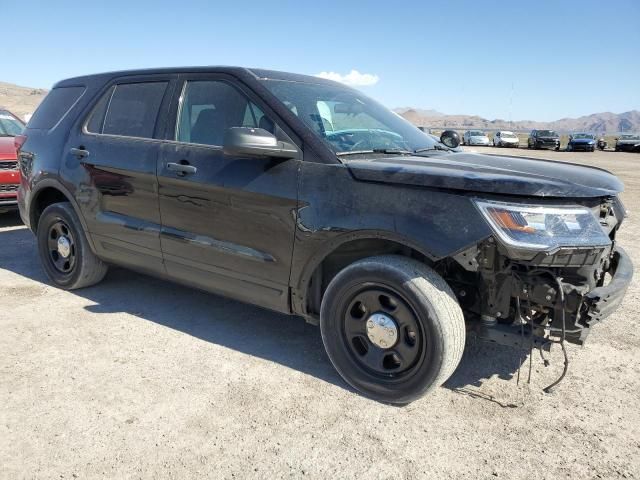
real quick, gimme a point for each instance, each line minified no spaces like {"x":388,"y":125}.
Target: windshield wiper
{"x":437,"y":147}
{"x":388,"y":151}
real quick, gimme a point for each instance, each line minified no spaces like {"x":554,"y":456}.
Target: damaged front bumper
{"x":548,"y":303}
{"x":601,"y":302}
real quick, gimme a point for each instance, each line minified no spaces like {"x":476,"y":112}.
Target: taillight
{"x":18,"y":141}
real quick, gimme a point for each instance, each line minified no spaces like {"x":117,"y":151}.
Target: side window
{"x":96,"y":121}
{"x":128,"y":110}
{"x":209,"y":107}
{"x":255,"y":117}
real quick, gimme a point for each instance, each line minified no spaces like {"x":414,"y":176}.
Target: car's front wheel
{"x":64,"y":251}
{"x":392,"y":328}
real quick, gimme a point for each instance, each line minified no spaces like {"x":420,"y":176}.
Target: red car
{"x":10,"y":127}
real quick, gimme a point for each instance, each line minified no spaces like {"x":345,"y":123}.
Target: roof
{"x":256,"y":73}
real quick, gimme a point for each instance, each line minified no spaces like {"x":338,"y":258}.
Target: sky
{"x":516,"y":60}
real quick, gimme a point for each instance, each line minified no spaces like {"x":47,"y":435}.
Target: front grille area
{"x":13,"y":165}
{"x":8,"y":188}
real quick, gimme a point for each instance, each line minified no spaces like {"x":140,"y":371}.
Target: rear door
{"x":113,"y":158}
{"x":228,"y":222}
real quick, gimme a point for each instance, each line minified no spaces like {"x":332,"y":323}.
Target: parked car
{"x":581,"y":141}
{"x":304,"y":196}
{"x":504,"y":138}
{"x":543,"y":139}
{"x":10,"y":127}
{"x":475,"y":137}
{"x":628,"y":142}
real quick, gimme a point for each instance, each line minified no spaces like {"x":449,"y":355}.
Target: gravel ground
{"x":136,"y":378}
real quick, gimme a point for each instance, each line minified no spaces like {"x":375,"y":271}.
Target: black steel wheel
{"x":381,"y":331}
{"x":62,"y":250}
{"x":65,"y":253}
{"x":392,"y":327}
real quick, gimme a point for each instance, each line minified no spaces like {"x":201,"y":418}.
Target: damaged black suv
{"x":306,"y":197}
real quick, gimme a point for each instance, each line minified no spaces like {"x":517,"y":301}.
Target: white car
{"x":475,"y":137}
{"x":505,"y":138}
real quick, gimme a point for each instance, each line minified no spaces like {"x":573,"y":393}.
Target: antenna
{"x":511,"y":107}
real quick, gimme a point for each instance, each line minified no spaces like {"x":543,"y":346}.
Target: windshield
{"x":629,"y":137}
{"x":476,"y":133}
{"x":508,"y":135}
{"x":547,"y":133}
{"x":10,"y":126}
{"x":583,"y":135}
{"x":347,"y":120}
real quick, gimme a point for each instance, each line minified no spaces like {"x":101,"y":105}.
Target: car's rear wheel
{"x":64,"y":251}
{"x":392,"y":328}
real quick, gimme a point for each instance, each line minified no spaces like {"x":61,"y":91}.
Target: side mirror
{"x":256,"y":142}
{"x":450,"y":138}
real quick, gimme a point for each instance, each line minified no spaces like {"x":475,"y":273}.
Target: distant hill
{"x":420,"y":112}
{"x":605,"y":122}
{"x":20,"y":100}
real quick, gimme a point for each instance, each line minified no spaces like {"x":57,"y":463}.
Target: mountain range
{"x":600,"y":123}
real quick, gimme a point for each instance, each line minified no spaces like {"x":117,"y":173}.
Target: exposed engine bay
{"x":531,"y":299}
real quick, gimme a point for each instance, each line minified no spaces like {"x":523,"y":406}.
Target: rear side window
{"x":128,"y":110}
{"x":55,"y":106}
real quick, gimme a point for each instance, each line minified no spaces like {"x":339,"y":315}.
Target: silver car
{"x":504,"y":138}
{"x":475,"y":137}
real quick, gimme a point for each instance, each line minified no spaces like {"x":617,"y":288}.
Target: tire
{"x":424,"y":314}
{"x":80,"y":267}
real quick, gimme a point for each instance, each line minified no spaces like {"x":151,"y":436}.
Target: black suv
{"x":306,"y":197}
{"x":543,"y":139}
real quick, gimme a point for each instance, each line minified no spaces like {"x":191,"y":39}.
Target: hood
{"x":7,"y":148}
{"x":490,"y":174}
{"x":583,"y":140}
{"x":628,"y":141}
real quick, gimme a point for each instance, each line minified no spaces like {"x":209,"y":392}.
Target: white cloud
{"x":353,"y":78}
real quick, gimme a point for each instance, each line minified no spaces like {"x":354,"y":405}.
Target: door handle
{"x":182,"y":169}
{"x":79,"y":152}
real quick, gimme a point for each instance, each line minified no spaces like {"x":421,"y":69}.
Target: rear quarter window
{"x":54,"y":107}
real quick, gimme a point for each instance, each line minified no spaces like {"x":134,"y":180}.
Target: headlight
{"x":537,"y":227}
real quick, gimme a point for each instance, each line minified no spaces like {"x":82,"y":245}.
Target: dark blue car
{"x":581,"y":141}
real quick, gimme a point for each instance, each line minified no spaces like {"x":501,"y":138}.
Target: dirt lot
{"x":136,"y":378}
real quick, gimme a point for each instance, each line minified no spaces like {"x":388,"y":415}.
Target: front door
{"x":228,"y":222}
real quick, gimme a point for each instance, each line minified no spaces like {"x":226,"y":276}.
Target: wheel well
{"x":47,"y":196}
{"x":345,"y":255}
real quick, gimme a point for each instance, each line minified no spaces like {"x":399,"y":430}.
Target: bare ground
{"x":136,"y":378}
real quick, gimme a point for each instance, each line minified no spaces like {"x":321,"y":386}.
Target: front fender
{"x":335,"y":208}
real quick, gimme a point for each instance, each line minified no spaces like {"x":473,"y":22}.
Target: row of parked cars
{"x":549,"y":139}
